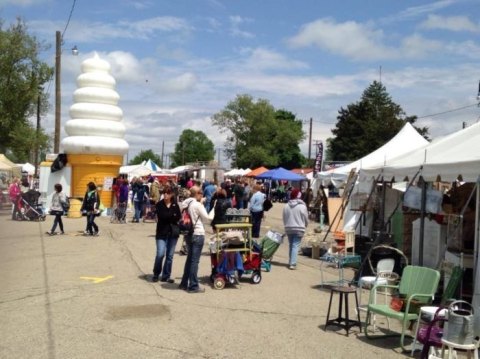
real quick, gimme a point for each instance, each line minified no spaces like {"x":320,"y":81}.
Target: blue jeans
{"x":256,"y":223}
{"x":190,"y":272}
{"x":294,"y":241}
{"x":239,"y":201}
{"x":138,"y":210}
{"x":164,"y":246}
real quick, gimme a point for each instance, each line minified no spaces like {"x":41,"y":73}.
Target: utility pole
{"x":37,"y":139}
{"x":58,"y":91}
{"x":310,"y":141}
{"x":163,"y":148}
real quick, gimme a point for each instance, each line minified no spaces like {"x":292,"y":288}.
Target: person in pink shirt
{"x":14,"y":194}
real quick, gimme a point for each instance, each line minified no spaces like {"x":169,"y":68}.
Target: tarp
{"x":281,"y":174}
{"x":237,"y":172}
{"x":406,"y":140}
{"x":448,"y":157}
{"x":181,"y":169}
{"x":256,"y":171}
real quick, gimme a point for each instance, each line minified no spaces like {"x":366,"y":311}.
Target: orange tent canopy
{"x":256,"y":171}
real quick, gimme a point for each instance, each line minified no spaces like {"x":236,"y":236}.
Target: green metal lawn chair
{"x":417,"y":283}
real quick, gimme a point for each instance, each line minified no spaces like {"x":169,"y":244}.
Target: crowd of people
{"x":167,"y":200}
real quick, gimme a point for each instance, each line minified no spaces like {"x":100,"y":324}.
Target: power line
{"x":69,"y":17}
{"x":425,"y":116}
{"x":448,"y":111}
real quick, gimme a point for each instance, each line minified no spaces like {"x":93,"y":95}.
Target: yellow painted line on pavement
{"x":96,"y":280}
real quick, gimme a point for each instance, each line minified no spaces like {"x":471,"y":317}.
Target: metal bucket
{"x":460,"y":323}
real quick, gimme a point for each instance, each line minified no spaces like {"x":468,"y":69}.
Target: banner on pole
{"x":319,"y":159}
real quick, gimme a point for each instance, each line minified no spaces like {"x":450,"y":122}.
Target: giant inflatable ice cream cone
{"x":95,"y":144}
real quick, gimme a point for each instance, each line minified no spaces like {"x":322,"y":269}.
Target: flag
{"x":319,"y":159}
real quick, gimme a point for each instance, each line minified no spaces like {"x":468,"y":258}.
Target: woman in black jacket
{"x":168,"y":216}
{"x":90,"y":205}
{"x":221,"y":203}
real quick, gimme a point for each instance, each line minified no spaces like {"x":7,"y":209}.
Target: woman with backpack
{"x":90,"y":206}
{"x":166,"y":237}
{"x":59,"y":200}
{"x":195,"y":240}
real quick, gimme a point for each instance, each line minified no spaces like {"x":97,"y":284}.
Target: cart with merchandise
{"x":232,"y":255}
{"x":234,"y":215}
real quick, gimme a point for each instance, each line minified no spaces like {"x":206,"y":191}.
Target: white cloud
{"x":350,"y":39}
{"x":451,"y":23}
{"x":417,"y":46}
{"x":235,"y":23}
{"x":262,"y":58}
{"x":416,"y":11}
{"x":22,"y":3}
{"x":363,"y":42}
{"x":85,"y":31}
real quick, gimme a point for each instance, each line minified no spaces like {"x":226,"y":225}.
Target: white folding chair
{"x":384,"y":272}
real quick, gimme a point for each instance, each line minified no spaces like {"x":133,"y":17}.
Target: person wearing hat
{"x":295,"y":222}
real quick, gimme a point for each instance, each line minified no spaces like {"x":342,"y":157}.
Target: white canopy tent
{"x":406,"y":140}
{"x":447,"y":158}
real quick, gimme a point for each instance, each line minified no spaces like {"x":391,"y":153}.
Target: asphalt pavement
{"x":71,"y":296}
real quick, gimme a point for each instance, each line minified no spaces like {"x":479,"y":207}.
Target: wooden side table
{"x":345,"y":321}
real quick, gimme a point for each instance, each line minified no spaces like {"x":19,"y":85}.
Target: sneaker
{"x":62,"y":232}
{"x":292,"y":266}
{"x":86,"y":233}
{"x":198,"y":290}
{"x":168,"y":280}
{"x":155,"y":279}
{"x":182,"y":287}
{"x":95,"y":234}
{"x":51,"y":233}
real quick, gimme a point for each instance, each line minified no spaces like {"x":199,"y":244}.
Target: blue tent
{"x":281,"y":174}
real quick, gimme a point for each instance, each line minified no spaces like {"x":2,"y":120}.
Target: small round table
{"x":345,"y":321}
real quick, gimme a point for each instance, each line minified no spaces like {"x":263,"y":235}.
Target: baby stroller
{"x":119,"y":214}
{"x":29,"y":207}
{"x":150,"y":212}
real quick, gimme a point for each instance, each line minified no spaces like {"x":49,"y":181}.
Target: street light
{"x":58,"y":89}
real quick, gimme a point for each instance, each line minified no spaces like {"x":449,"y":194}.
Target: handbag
{"x":211,"y":214}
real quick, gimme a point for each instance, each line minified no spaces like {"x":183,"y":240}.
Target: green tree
{"x":22,"y":78}
{"x":364,"y":126}
{"x":145,"y":156}
{"x":192,"y":146}
{"x":260,"y":135}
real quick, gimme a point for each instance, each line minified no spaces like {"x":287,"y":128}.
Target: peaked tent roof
{"x":281,"y":174}
{"x":448,"y":157}
{"x":256,"y":172}
{"x":406,"y":140}
{"x":152,"y":165}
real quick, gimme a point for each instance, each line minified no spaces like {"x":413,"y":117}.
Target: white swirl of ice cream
{"x":96,"y":125}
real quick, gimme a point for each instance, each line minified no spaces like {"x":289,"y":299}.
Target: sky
{"x":178,"y":62}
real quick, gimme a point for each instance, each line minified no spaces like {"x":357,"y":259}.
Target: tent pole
{"x":422,"y":221}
